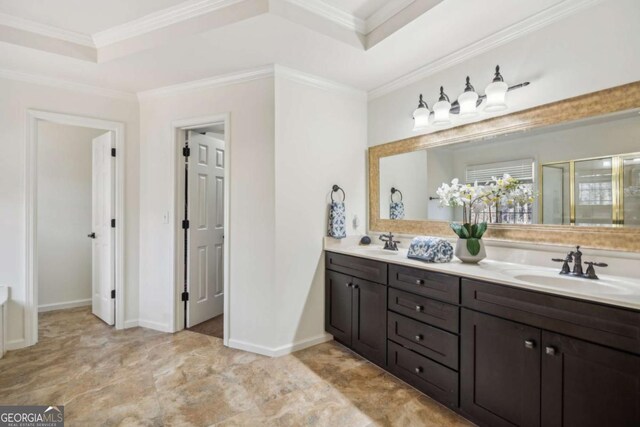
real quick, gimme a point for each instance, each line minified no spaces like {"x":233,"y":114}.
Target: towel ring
{"x":335,"y":189}
{"x":394,"y":191}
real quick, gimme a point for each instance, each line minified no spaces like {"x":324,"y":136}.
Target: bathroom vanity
{"x":502,"y":344}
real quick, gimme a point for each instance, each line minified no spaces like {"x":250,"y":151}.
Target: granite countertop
{"x":612,"y":290}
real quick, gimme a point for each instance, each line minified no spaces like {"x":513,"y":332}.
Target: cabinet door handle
{"x":551,"y":351}
{"x":356,"y":286}
{"x":419,"y":308}
{"x":418,"y":370}
{"x":418,"y":337}
{"x":529,"y":344}
{"x":419,"y":282}
{"x":348,"y":285}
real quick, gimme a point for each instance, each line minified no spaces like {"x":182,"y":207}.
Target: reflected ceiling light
{"x":441,"y":110}
{"x":421,"y":115}
{"x":468,"y":100}
{"x":496,"y":93}
{"x":467,"y":103}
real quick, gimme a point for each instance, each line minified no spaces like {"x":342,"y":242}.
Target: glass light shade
{"x":496,"y":96}
{"x":420,"y":118}
{"x":441,"y":113}
{"x":467,"y":101}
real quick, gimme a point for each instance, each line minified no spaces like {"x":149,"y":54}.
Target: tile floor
{"x":138,"y":377}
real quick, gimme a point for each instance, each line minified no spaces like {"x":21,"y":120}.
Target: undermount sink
{"x":573,"y":283}
{"x":377,"y":251}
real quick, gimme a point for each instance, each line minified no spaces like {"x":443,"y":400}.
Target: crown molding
{"x":317,"y":82}
{"x":386,"y":12}
{"x":65,"y":84}
{"x":46,"y":30}
{"x":332,"y":13}
{"x":160,"y":19}
{"x":210,"y":82}
{"x":519,"y":29}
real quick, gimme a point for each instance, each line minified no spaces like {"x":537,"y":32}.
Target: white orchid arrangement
{"x":476,"y":198}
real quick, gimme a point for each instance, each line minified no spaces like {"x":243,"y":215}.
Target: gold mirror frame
{"x":608,"y":101}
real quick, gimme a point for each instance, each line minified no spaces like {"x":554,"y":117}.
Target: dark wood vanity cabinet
{"x":499,"y":355}
{"x":356,"y":314}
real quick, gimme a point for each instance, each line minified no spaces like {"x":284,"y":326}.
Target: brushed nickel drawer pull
{"x":418,"y":337}
{"x":418,"y":370}
{"x":529,"y":344}
{"x":419,"y":282}
{"x":551,"y":351}
{"x":419,"y":308}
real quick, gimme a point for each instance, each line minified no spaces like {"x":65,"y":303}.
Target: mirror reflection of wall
{"x":556,"y":162}
{"x":408,"y":172}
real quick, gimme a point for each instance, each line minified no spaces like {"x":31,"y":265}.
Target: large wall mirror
{"x":577,"y":162}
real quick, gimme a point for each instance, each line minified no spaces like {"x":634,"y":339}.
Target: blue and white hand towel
{"x":337,"y":220}
{"x":396,"y":210}
{"x":430,"y":249}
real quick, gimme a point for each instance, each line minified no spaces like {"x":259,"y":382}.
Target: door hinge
{"x":113,"y":293}
{"x":185,"y":296}
{"x":186,"y":151}
{"x":185,"y":224}
{"x":113,"y":223}
{"x":113,"y":152}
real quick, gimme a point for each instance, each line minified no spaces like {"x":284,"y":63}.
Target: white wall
{"x":16,"y":98}
{"x":251,"y":203}
{"x":64,"y":215}
{"x":594,"y":49}
{"x":320,"y":141}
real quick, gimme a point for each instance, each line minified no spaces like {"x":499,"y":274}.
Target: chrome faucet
{"x":389,"y":243}
{"x":576,"y":258}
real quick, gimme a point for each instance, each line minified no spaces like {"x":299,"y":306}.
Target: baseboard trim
{"x":15,"y":344}
{"x":131,"y":323}
{"x":63,"y":305}
{"x":282,"y":350}
{"x":156,"y":326}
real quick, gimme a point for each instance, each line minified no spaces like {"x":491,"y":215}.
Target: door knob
{"x":92,"y":235}
{"x":529,"y":344}
{"x":551,"y":351}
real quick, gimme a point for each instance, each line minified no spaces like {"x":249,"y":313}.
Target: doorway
{"x":86,"y":181}
{"x":202,"y":173}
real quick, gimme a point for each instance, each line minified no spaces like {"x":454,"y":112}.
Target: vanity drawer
{"x":611,"y":326}
{"x":427,"y":310}
{"x":431,"y":378}
{"x":432,"y":342}
{"x":363,"y":268}
{"x":434,"y":285}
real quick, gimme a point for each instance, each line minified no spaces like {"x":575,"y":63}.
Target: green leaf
{"x":467,"y":230}
{"x":480,"y":230}
{"x":457,"y":228}
{"x":474,"y":230}
{"x":473,"y":245}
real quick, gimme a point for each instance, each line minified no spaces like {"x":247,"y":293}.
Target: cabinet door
{"x":585,"y":384}
{"x":369,"y":317}
{"x":337,"y":316}
{"x":500,"y":371}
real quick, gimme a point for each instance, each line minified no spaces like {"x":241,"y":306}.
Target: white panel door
{"x":102,"y":257}
{"x":206,"y":228}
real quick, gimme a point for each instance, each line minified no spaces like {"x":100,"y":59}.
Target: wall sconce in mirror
{"x":396,"y":207}
{"x":467,"y":103}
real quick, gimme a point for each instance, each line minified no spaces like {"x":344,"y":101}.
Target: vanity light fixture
{"x":441,"y":110}
{"x":421,"y":115}
{"x":496,"y":93}
{"x":468,"y":100}
{"x":467,"y":103}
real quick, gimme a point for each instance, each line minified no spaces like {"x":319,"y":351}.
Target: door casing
{"x":31,"y":209}
{"x":176,"y":174}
